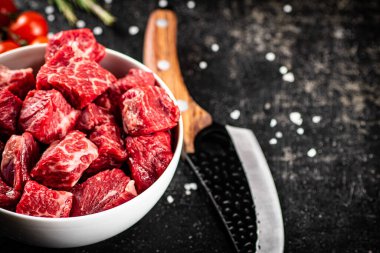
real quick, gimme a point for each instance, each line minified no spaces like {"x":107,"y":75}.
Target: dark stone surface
{"x":330,"y":202}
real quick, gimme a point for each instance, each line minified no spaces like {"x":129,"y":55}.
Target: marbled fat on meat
{"x":63,"y":162}
{"x":148,"y":157}
{"x":47,"y":115}
{"x":79,"y":79}
{"x":18,"y":81}
{"x":40,"y":201}
{"x":92,"y":116}
{"x":10,"y":106}
{"x":82,"y":38}
{"x":101,"y":192}
{"x":148,"y":109}
{"x":20,"y":154}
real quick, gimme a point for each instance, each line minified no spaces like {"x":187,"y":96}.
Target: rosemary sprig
{"x":66,"y":9}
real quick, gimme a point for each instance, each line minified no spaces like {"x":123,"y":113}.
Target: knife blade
{"x":227,"y":160}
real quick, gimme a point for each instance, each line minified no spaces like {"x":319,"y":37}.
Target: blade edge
{"x":263,"y":190}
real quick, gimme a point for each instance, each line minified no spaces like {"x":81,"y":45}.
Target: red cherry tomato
{"x":7,"y":7}
{"x":28,"y":26}
{"x":39,"y":40}
{"x":7,"y":45}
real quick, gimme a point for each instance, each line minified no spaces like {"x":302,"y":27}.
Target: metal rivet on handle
{"x":163,"y":65}
{"x":162,"y":22}
{"x":183,"y":105}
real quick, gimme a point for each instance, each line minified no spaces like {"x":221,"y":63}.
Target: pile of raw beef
{"x":74,"y":139}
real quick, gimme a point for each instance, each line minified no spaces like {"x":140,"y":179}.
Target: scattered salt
{"x":97,"y":30}
{"x":273,"y":123}
{"x":215,"y":47}
{"x":287,"y":8}
{"x":50,"y":17}
{"x":300,"y":131}
{"x":235,"y":114}
{"x":203,"y":65}
{"x":278,"y":135}
{"x":49,"y":9}
{"x":312,"y":152}
{"x":108,"y":1}
{"x":191,"y":4}
{"x":288,"y":77}
{"x":191,"y":186}
{"x":316,"y":119}
{"x":270,"y":56}
{"x":187,"y":192}
{"x":267,"y":106}
{"x":80,"y":24}
{"x":170,"y":199}
{"x":133,"y":30}
{"x":273,"y":141}
{"x":162,"y":3}
{"x":283,"y":70}
{"x":296,"y":118}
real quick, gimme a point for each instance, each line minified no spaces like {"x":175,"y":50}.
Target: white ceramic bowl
{"x":85,"y":230}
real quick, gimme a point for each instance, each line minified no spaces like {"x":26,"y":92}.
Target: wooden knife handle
{"x":160,"y":55}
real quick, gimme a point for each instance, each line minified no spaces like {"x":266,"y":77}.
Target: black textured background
{"x":330,"y":202}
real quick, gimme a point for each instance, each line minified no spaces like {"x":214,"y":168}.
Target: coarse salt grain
{"x":133,"y":30}
{"x":49,"y":9}
{"x":300,"y":131}
{"x":273,"y":141}
{"x":273,"y":123}
{"x":191,"y":4}
{"x":203,"y":65}
{"x":316,"y":119}
{"x":312,"y":152}
{"x":162,"y":3}
{"x":270,"y":56}
{"x":50,"y":18}
{"x":278,"y":134}
{"x":296,"y":118}
{"x":80,"y":24}
{"x":215,"y":47}
{"x":97,"y":30}
{"x":108,"y":1}
{"x":287,"y":8}
{"x":288,"y":77}
{"x":267,"y":106}
{"x":235,"y":114}
{"x":191,"y":186}
{"x":170,"y":199}
{"x":283,"y":70}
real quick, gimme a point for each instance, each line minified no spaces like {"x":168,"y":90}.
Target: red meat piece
{"x":101,"y":192}
{"x":134,"y":78}
{"x":83,"y":38}
{"x":63,"y":162}
{"x":149,"y":155}
{"x":8,"y":196}
{"x":79,"y":79}
{"x":148,"y":109}
{"x":20,"y":154}
{"x":19,"y":81}
{"x":47,"y":115}
{"x":2,"y":145}
{"x":92,"y":116}
{"x":10,"y":106}
{"x":111,"y":148}
{"x":40,"y":201}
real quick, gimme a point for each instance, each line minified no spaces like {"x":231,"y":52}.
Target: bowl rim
{"x":176,"y":153}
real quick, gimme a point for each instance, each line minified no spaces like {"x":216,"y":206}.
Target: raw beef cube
{"x":83,"y":38}
{"x":148,"y":157}
{"x":102,"y":191}
{"x":134,"y":78}
{"x":19,"y":81}
{"x":63,"y":162}
{"x":2,"y":145}
{"x":20,"y":154}
{"x":10,"y":106}
{"x":47,"y":115}
{"x":40,"y":201}
{"x":148,"y":109}
{"x":79,"y":79}
{"x":111,"y":148}
{"x":8,"y":196}
{"x":92,"y":116}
